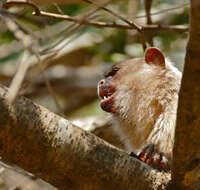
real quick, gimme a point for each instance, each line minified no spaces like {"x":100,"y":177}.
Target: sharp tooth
{"x":105,"y":97}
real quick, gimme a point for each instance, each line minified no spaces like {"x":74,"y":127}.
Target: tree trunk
{"x":186,"y":159}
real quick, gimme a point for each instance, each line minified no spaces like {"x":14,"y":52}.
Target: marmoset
{"x":142,"y":95}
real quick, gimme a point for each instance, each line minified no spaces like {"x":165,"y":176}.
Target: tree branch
{"x":64,"y":155}
{"x":62,"y":2}
{"x":180,"y":28}
{"x":149,"y":35}
{"x":134,"y":25}
{"x":186,"y":160}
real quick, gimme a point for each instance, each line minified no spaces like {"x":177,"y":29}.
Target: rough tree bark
{"x":52,"y":148}
{"x":186,"y":162}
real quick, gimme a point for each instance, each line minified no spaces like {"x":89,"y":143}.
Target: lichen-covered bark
{"x":52,"y":148}
{"x":186,"y":159}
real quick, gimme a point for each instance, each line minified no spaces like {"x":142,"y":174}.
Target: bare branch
{"x":160,"y":28}
{"x":134,"y":26}
{"x":58,"y":8}
{"x":164,"y":11}
{"x":148,"y":4}
{"x":84,"y":21}
{"x":33,"y":48}
{"x":70,"y":30}
{"x":63,"y":2}
{"x":23,"y":67}
{"x":180,"y":28}
{"x":48,"y":85}
{"x":22,"y":3}
{"x":19,"y":76}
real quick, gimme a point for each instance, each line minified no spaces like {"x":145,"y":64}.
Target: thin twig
{"x":82,"y":21}
{"x":63,"y":45}
{"x":58,"y":8}
{"x":43,"y":13}
{"x":129,"y":25}
{"x":32,"y":72}
{"x":23,"y":67}
{"x":70,"y":30}
{"x":157,"y":27}
{"x":164,"y":11}
{"x":112,"y":25}
{"x":18,"y":33}
{"x":22,"y":3}
{"x":37,"y":10}
{"x":49,"y":87}
{"x":19,"y":77}
{"x":180,"y":28}
{"x":117,"y":15}
{"x":148,"y":5}
{"x":134,"y":25}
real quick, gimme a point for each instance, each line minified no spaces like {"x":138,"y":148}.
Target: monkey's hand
{"x":151,"y":156}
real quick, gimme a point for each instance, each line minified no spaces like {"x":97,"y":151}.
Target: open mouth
{"x":107,"y":98}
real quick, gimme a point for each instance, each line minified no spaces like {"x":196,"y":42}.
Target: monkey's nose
{"x":101,"y":82}
{"x":100,"y":88}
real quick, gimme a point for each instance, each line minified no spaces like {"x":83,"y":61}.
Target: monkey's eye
{"x":112,"y":72}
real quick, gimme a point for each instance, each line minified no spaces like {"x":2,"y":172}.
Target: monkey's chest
{"x":137,"y":138}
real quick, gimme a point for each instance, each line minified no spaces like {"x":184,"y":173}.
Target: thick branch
{"x":186,"y":162}
{"x":64,"y":155}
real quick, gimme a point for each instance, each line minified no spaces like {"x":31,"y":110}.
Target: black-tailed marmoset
{"x":142,"y":95}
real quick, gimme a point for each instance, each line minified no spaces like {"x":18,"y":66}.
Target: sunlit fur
{"x":146,"y":104}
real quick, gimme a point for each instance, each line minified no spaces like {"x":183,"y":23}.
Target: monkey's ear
{"x":154,"y":56}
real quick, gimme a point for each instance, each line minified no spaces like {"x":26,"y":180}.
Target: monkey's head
{"x":129,"y":85}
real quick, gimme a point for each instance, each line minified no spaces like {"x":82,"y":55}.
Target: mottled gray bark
{"x":186,"y":162}
{"x":52,"y":148}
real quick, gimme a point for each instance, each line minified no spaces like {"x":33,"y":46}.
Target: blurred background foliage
{"x":86,"y":47}
{"x":75,"y":56}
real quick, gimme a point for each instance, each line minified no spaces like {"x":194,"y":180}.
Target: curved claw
{"x":151,"y":156}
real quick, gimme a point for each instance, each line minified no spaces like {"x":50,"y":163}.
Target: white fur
{"x":146,"y":98}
